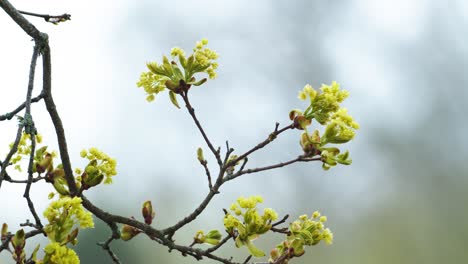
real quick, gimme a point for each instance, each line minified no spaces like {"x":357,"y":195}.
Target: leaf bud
{"x":148,"y":212}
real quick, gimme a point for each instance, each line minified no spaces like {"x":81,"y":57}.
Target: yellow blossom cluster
{"x":55,"y":253}
{"x":177,"y":74}
{"x":63,"y":214}
{"x":248,"y":223}
{"x":306,"y":231}
{"x":100,"y":165}
{"x":324,"y":107}
{"x":152,"y":84}
{"x":24,"y":149}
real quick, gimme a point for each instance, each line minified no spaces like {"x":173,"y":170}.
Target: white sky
{"x":97,"y":58}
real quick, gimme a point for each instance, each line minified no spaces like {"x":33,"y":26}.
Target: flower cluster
{"x":325,"y":108}
{"x":179,"y":77}
{"x":24,"y":149}
{"x":63,"y":214}
{"x":246,"y":224}
{"x":56,"y":253}
{"x":303,"y":232}
{"x":100,"y":167}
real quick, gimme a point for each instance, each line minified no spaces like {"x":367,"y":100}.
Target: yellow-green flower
{"x":55,"y":253}
{"x":248,"y":224}
{"x":100,"y":166}
{"x":63,"y":214}
{"x":178,"y":75}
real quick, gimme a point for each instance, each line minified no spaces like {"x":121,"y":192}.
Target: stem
{"x":200,"y":128}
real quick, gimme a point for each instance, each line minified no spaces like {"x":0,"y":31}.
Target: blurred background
{"x":403,"y":200}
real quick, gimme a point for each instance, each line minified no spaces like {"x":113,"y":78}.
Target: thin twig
{"x":274,"y":166}
{"x":200,"y":128}
{"x":33,"y":136}
{"x":49,"y":18}
{"x":207,"y":172}
{"x":9,"y":116}
{"x":220,"y":244}
{"x":243,"y":164}
{"x":106,"y":247}
{"x":36,"y":179}
{"x":281,"y":221}
{"x":228,"y":152}
{"x":13,"y":150}
{"x":55,"y":117}
{"x":262,"y":144}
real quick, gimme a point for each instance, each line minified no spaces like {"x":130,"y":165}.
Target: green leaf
{"x":254,"y":251}
{"x":188,"y":68}
{"x":177,"y":73}
{"x":33,"y":255}
{"x":154,"y":68}
{"x":239,"y":242}
{"x":183,"y":61}
{"x":200,"y":82}
{"x":167,"y":67}
{"x":173,"y":98}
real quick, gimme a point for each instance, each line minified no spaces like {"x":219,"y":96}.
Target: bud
{"x":171,"y":85}
{"x":298,"y":247}
{"x":200,"y":156}
{"x":148,"y":212}
{"x":4,"y":231}
{"x":301,"y":122}
{"x":274,"y":254}
{"x":72,"y":236}
{"x":213,"y":237}
{"x":55,"y":174}
{"x":128,"y":232}
{"x":45,"y":164}
{"x":294,"y":113}
{"x":199,"y":237}
{"x":60,"y":186}
{"x":306,"y":143}
{"x":18,"y":241}
{"x":93,"y":180}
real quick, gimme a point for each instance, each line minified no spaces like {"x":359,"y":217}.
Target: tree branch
{"x":29,"y":28}
{"x":49,"y":18}
{"x":33,"y":136}
{"x":274,"y":166}
{"x":200,"y":128}
{"x":9,"y":116}
{"x":59,"y":130}
{"x":106,"y":247}
{"x":262,"y":144}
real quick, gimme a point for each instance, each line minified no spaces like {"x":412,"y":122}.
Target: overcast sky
{"x":393,"y":56}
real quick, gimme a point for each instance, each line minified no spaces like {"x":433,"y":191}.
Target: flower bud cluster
{"x":246,"y":224}
{"x":306,"y":231}
{"x":178,"y":77}
{"x":325,"y":108}
{"x":100,"y":168}
{"x":24,"y":149}
{"x":65,"y":215}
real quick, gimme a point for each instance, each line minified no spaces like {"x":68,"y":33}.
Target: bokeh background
{"x":404,"y":198}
